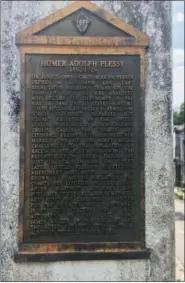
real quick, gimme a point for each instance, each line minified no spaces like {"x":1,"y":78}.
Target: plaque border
{"x":31,"y":44}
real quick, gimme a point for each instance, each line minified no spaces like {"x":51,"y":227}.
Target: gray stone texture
{"x":154,"y":18}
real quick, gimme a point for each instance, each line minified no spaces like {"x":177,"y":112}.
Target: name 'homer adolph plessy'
{"x":82,"y":63}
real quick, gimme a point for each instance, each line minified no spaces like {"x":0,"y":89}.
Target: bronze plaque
{"x":82,"y":150}
{"x":82,"y":137}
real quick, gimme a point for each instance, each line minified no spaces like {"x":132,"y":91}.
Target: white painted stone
{"x":153,"y":17}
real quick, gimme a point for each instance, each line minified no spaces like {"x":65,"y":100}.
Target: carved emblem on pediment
{"x":82,"y":23}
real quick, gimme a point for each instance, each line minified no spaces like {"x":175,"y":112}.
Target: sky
{"x":178,"y":53}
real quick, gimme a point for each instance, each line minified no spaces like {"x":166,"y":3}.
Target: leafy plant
{"x":178,"y":116}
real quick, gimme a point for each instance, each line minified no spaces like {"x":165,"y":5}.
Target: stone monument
{"x":91,"y":170}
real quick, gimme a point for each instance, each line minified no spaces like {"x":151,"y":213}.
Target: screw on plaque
{"x":30,"y":58}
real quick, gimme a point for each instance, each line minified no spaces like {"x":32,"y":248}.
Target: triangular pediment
{"x":82,"y":19}
{"x":93,"y":26}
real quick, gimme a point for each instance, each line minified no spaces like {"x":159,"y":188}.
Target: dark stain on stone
{"x":15,"y":104}
{"x":168,"y":111}
{"x":163,"y":246}
{"x":166,"y":27}
{"x":154,"y":263}
{"x":162,"y":175}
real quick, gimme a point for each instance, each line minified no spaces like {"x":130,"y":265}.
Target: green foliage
{"x":179,"y":195}
{"x":178,"y":116}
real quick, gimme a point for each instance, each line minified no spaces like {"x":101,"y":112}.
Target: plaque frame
{"x":38,"y":44}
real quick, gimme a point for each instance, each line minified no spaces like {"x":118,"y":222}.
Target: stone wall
{"x":154,"y":18}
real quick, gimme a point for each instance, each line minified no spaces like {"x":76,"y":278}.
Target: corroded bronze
{"x":82,"y":140}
